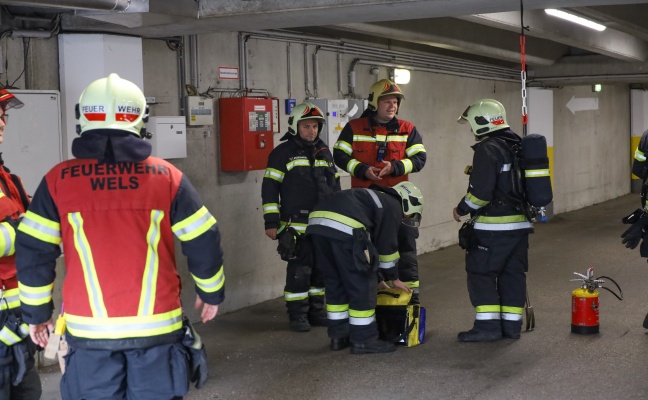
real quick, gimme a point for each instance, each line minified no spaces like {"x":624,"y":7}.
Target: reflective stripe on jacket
{"x":377,"y":212}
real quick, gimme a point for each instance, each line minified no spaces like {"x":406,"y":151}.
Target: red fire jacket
{"x":13,"y":202}
{"x":359,"y":146}
{"x":116,"y":222}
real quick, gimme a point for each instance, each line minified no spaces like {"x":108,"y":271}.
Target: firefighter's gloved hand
{"x":287,"y":247}
{"x":633,"y":234}
{"x":632,"y":217}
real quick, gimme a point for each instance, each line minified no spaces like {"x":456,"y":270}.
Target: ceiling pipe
{"x":437,"y":62}
{"x":105,"y":5}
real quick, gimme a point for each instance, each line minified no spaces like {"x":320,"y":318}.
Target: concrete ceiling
{"x":488,"y":31}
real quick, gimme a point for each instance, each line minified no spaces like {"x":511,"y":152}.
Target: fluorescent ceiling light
{"x":575,"y":19}
{"x":401,"y":76}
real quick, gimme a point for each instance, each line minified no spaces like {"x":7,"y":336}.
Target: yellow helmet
{"x":411,"y":201}
{"x":112,"y":103}
{"x":383,"y":87}
{"x":484,"y":116}
{"x":305,"y":110}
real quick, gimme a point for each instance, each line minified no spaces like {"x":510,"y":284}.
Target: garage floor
{"x":253,"y":355}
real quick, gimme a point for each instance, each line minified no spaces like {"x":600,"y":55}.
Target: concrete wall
{"x":591,"y":147}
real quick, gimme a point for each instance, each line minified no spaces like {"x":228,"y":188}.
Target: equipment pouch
{"x":365,"y":255}
{"x":21,"y":356}
{"x":197,"y":354}
{"x":467,"y":236}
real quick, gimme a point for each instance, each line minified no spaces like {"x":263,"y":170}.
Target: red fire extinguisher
{"x":585,"y":302}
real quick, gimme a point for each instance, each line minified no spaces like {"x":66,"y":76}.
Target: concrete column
{"x":541,"y":118}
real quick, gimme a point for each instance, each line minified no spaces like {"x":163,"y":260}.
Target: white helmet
{"x":305,"y":110}
{"x":484,"y":116}
{"x":411,"y":201}
{"x":112,"y":103}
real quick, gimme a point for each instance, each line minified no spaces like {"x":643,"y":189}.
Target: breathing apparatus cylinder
{"x":585,"y":311}
{"x":537,"y":179}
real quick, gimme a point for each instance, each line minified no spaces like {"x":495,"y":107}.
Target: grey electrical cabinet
{"x":32,"y":139}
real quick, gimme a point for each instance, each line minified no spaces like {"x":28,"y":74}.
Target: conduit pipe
{"x":104,"y":5}
{"x":420,"y":62}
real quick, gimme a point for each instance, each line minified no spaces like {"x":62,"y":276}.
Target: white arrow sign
{"x":582,"y":104}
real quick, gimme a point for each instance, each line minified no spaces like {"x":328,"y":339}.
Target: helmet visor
{"x":412,"y":220}
{"x":463,"y":118}
{"x":8,"y":100}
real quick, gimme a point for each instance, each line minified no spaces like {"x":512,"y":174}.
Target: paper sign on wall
{"x":228,"y":73}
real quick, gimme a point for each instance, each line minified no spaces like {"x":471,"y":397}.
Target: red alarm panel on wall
{"x":245,"y":132}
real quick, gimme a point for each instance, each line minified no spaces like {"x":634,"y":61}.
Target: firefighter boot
{"x":298,"y":315}
{"x":373,"y":347}
{"x":317,"y":310}
{"x":511,"y":329}
{"x":482,"y":331}
{"x":339,"y":343}
{"x":300,"y":324}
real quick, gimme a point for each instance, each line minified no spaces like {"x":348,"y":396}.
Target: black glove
{"x":197,"y":354}
{"x":633,"y":234}
{"x":632,"y":217}
{"x":287,"y":247}
{"x":467,"y":236}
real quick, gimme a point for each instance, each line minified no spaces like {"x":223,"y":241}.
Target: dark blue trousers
{"x":156,"y":373}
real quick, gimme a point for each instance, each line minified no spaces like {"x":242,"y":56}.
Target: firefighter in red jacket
{"x":353,"y":233}
{"x":115,"y":209}
{"x":379,"y":148}
{"x":16,"y":344}
{"x":300,"y":173}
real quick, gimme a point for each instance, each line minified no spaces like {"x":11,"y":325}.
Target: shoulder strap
{"x":21,"y":190}
{"x":518,"y":197}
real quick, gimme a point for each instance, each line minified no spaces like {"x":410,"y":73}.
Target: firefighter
{"x":496,"y":261}
{"x":379,"y":148}
{"x":115,"y":210}
{"x":18,"y":376}
{"x":354,"y":237}
{"x":300,"y":172}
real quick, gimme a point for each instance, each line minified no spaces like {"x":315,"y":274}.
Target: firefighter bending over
{"x":354,"y":237}
{"x":115,"y":210}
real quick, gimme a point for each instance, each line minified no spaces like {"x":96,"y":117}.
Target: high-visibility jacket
{"x":13,"y":202}
{"x":296,"y":178}
{"x":364,"y":143}
{"x":490,"y":189}
{"x":116,"y":222}
{"x":374,"y":211}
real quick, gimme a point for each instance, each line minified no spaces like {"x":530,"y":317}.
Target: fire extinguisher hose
{"x":618,"y":296}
